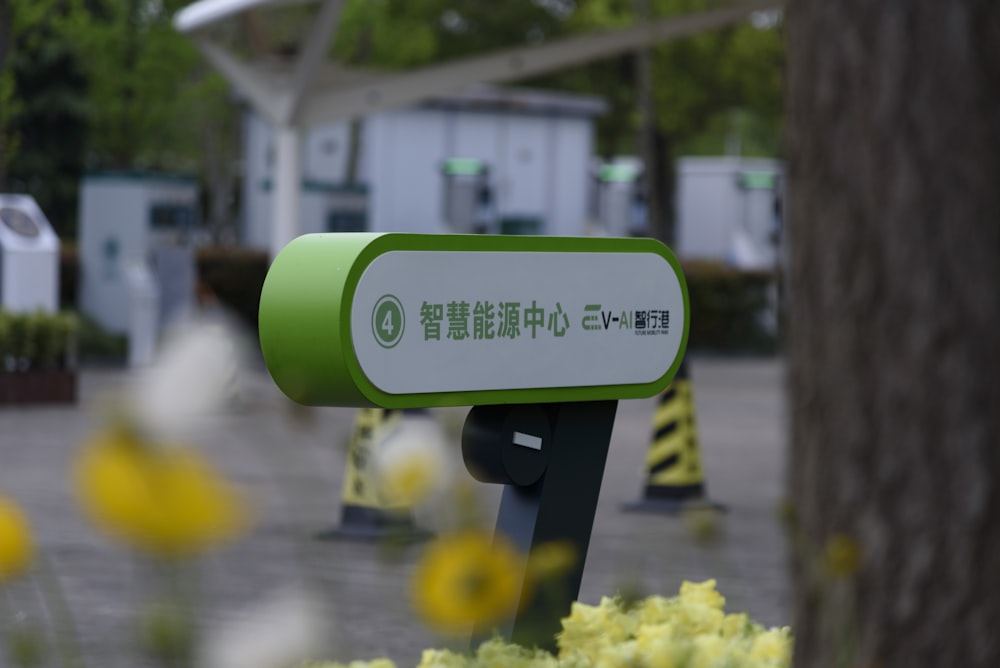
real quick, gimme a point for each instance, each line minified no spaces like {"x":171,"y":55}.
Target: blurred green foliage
{"x":706,"y":88}
{"x":97,"y":346}
{"x":732,"y":310}
{"x":96,"y":84}
{"x":35,"y":341}
{"x":102,"y":84}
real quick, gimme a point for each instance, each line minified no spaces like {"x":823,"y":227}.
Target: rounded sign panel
{"x":401,"y":320}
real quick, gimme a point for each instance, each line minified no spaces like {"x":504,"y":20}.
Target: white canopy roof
{"x":200,"y":15}
{"x":311,"y":90}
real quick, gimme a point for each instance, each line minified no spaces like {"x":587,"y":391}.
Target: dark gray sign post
{"x":551,"y":458}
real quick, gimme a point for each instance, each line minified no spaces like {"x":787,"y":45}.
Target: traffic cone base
{"x":375,"y":524}
{"x":363,"y":516}
{"x":674,"y":479}
{"x":673,"y":500}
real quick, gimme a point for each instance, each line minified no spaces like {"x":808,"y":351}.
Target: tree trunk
{"x":894,"y":340}
{"x":647,"y":126}
{"x":221,"y":139}
{"x":664,"y":182}
{"x":5,"y":50}
{"x":657,"y":158}
{"x":353,"y":159}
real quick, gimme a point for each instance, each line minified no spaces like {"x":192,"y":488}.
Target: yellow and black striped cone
{"x":675,"y":481}
{"x":363,"y":515}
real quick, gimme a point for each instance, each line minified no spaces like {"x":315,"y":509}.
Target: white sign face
{"x":458,"y":321}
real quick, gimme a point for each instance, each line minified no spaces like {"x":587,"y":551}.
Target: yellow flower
{"x":589,"y":629}
{"x":736,"y":625}
{"x":658,"y":647}
{"x":467,"y":578}
{"x":496,"y":653}
{"x":708,"y":650}
{"x":657,"y":610}
{"x":621,"y":655}
{"x":165,"y":501}
{"x":696,"y":619}
{"x":442,"y":658}
{"x":773,"y":645}
{"x":16,"y":544}
{"x":411,"y":462}
{"x":704,"y":525}
{"x":408,"y":482}
{"x":551,"y":559}
{"x":843,"y":556}
{"x":703,"y":593}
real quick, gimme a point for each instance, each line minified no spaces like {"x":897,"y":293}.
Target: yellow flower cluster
{"x":691,"y":630}
{"x":165,"y":501}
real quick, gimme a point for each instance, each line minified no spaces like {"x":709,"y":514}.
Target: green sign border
{"x":305,"y":318}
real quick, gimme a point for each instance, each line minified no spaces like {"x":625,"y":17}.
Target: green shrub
{"x":96,"y":345}
{"x":39,"y":340}
{"x":728,"y":309}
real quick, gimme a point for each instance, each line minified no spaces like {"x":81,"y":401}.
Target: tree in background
{"x":716,"y":92}
{"x":144,"y":82}
{"x":387,"y":34}
{"x":43,"y":108}
{"x":159,"y":106}
{"x":894,"y":336}
{"x":700,"y":81}
{"x":7,"y":101}
{"x":153,"y":103}
{"x":108,"y":84}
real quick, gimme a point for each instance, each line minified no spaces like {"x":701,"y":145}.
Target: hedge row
{"x":235,"y":275}
{"x":730,"y":308}
{"x":36,"y":341}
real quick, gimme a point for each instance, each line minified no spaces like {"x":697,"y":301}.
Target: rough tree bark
{"x":894,"y":334}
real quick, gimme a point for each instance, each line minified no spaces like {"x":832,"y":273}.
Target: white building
{"x":726,"y":210}
{"x":536,"y":146}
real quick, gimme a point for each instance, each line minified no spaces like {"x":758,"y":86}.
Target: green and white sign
{"x":400,"y":320}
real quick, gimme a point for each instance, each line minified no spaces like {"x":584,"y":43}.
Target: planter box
{"x":38,"y":387}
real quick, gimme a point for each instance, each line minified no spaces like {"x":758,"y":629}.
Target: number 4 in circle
{"x":388,"y":321}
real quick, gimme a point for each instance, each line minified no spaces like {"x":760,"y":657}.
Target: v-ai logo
{"x":623,"y":320}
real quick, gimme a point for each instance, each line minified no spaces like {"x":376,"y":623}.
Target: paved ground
{"x":292,"y":463}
